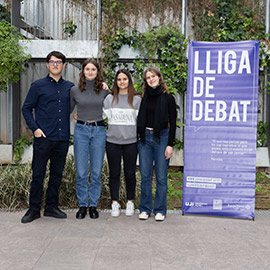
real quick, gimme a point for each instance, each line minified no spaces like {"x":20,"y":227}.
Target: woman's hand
{"x":75,"y":116}
{"x":39,"y":133}
{"x":105,"y":86}
{"x":168,"y":152}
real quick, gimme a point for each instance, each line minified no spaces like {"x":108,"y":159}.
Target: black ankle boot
{"x":93,"y":212}
{"x":81,"y":213}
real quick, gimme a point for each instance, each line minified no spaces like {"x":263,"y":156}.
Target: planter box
{"x":6,"y":156}
{"x":262,"y":157}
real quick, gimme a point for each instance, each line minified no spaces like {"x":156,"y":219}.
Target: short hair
{"x":56,"y":54}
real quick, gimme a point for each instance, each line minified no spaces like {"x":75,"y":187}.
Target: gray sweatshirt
{"x":122,"y":119}
{"x":89,"y":103}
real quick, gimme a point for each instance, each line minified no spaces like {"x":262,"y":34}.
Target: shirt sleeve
{"x":106,"y":106}
{"x":138,"y":104}
{"x":29,"y":105}
{"x":172,"y":119}
{"x":72,"y":99}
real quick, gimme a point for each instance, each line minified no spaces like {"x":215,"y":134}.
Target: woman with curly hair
{"x":89,"y":136}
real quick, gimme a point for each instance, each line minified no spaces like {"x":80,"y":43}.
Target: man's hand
{"x":39,"y":133}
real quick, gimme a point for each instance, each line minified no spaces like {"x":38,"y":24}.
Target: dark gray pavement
{"x":126,"y":243}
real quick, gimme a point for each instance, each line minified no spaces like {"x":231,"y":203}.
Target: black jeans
{"x":56,"y":152}
{"x":115,"y":152}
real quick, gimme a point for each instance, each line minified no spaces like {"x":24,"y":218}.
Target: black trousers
{"x":56,"y":152}
{"x":115,"y":152}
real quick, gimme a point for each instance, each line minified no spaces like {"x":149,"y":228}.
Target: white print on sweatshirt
{"x":124,"y":117}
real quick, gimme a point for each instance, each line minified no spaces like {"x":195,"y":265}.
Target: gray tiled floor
{"x":180,"y":242}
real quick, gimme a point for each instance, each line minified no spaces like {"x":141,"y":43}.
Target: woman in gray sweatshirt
{"x":121,"y":108}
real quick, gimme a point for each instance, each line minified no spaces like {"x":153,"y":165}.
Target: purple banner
{"x":221,"y":129}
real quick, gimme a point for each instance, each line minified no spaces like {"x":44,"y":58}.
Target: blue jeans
{"x":89,"y":144}
{"x":153,"y":150}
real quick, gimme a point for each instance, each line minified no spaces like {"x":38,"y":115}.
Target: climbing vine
{"x":4,"y":14}
{"x":127,"y":14}
{"x":12,"y":55}
{"x":232,"y":20}
{"x":20,"y":145}
{"x":69,"y":28}
{"x":164,"y":47}
{"x":120,"y":23}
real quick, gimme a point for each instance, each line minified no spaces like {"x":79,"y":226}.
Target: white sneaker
{"x":115,"y":209}
{"x":130,"y":209}
{"x":159,"y":217}
{"x":143,"y":216}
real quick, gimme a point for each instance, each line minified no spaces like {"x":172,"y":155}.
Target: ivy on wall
{"x":163,"y":47}
{"x":119,"y":27}
{"x":231,"y":20}
{"x":127,"y":14}
{"x":4,"y":14}
{"x":12,"y":55}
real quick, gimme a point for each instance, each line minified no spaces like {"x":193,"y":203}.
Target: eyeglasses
{"x":52,"y":63}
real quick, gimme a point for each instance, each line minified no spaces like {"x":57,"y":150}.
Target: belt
{"x":96,"y":123}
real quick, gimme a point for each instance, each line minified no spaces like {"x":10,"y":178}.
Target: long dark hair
{"x":98,"y":80}
{"x":131,"y":90}
{"x":161,"y":80}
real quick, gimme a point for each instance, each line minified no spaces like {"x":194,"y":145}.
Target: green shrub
{"x":12,"y":55}
{"x":14,"y":186}
{"x":15,"y":183}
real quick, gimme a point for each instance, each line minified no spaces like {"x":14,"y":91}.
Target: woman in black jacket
{"x":156,"y":133}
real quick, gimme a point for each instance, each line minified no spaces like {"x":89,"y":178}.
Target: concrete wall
{"x":176,"y":160}
{"x":6,"y":154}
{"x":262,"y":158}
{"x":74,"y":49}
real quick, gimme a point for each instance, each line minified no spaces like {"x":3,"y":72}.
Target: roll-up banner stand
{"x":221,"y":129}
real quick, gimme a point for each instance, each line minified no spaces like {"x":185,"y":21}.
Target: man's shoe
{"x":130,"y":209}
{"x":160,"y":217}
{"x":30,"y":215}
{"x":81,"y":213}
{"x":115,"y":209}
{"x":143,"y":216}
{"x":93,"y":212}
{"x":54,"y":212}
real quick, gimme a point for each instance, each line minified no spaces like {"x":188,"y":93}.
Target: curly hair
{"x":98,"y":80}
{"x":161,"y":80}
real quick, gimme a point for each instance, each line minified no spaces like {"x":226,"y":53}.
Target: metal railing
{"x":45,"y":19}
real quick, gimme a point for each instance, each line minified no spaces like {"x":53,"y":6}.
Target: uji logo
{"x":189,"y":203}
